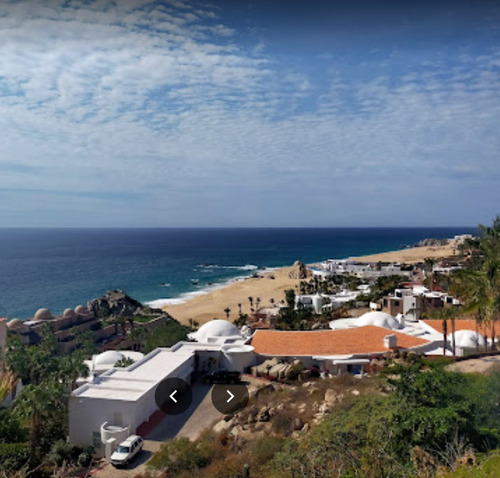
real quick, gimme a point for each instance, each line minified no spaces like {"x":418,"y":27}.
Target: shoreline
{"x":210,"y":303}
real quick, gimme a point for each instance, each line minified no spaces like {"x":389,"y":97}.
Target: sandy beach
{"x":411,"y":255}
{"x":205,"y":307}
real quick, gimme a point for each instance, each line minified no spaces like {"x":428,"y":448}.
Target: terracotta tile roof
{"x":460,"y":324}
{"x":358,"y":340}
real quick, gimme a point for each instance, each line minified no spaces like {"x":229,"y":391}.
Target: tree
{"x":290,"y":298}
{"x":428,"y":266}
{"x":124,"y":362}
{"x":227,"y":311}
{"x":34,"y":405}
{"x":70,"y":368}
{"x":478,"y":286}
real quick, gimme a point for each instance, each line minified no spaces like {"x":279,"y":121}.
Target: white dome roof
{"x":216,"y":328}
{"x":110,"y":357}
{"x":468,"y":339}
{"x":379,"y":319}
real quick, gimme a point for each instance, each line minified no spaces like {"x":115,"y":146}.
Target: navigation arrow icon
{"x":230,"y":397}
{"x":172,"y":396}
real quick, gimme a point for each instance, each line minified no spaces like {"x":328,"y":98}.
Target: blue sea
{"x":60,"y":268}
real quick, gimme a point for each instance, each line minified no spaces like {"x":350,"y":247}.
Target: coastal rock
{"x":431,"y":242}
{"x":114,"y":302}
{"x":299,"y":271}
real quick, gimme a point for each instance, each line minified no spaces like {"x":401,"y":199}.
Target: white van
{"x":126,"y":450}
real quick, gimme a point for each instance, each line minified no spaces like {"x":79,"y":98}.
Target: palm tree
{"x":257,"y":303}
{"x":239,"y":309}
{"x":250,"y":299}
{"x":34,"y":404}
{"x":428,"y":266}
{"x":479,"y":285}
{"x":71,"y":367}
{"x":227,"y":310}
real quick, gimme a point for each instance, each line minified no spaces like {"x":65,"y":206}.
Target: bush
{"x":13,"y":457}
{"x":263,"y":449}
{"x":181,"y":454}
{"x":282,"y":423}
{"x":64,"y":452}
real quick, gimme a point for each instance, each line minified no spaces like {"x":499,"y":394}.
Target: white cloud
{"x":163,"y":102}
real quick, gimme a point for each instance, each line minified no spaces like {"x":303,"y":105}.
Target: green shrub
{"x":64,"y":452}
{"x":13,"y":457}
{"x":180,"y":454}
{"x":263,"y":449}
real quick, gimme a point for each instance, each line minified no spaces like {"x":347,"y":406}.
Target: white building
{"x":321,"y":302}
{"x":115,"y":403}
{"x":360,"y":269}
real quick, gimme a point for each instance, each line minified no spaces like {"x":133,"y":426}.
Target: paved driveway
{"x":189,"y":424}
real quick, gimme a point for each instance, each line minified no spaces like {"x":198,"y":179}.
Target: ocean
{"x":60,"y":268}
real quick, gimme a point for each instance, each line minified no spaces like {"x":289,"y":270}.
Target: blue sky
{"x":249,"y":113}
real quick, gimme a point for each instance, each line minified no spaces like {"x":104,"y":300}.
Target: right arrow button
{"x":229,"y":398}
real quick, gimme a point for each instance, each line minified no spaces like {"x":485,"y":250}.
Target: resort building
{"x":116,"y":402}
{"x":413,"y":302}
{"x":321,"y":302}
{"x":360,"y":269}
{"x":335,"y":351}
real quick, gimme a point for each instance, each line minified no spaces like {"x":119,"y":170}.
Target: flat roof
{"x":131,"y":383}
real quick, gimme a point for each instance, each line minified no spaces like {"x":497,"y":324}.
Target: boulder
{"x":114,"y":302}
{"x":331,"y":396}
{"x":221,"y":426}
{"x":297,"y":424}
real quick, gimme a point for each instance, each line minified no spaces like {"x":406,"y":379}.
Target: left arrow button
{"x":172,"y":396}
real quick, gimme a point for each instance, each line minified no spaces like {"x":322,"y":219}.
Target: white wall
{"x":86,"y":415}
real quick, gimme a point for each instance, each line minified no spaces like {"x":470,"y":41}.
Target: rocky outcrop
{"x":431,"y":243}
{"x":114,"y":302}
{"x":277,"y":369}
{"x":299,"y":271}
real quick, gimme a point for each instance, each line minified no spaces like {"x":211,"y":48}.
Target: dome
{"x":379,"y":319}
{"x":43,"y":314}
{"x":216,"y":328}
{"x":80,"y":309}
{"x":467,"y":339}
{"x":68,"y":313}
{"x":108,"y":358}
{"x":14,"y":323}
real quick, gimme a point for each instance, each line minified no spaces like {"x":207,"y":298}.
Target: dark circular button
{"x":229,"y":398}
{"x":173,"y":396}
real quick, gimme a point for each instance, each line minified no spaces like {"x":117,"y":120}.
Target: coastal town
{"x":296,"y":328}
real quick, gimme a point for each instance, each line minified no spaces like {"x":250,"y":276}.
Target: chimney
{"x":390,"y":341}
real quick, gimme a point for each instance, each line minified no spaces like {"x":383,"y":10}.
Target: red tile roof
{"x":358,"y":340}
{"x":460,"y":324}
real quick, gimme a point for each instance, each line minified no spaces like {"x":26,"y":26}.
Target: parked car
{"x":222,"y":376}
{"x":126,"y":450}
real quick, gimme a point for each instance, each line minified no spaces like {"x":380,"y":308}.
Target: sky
{"x":241,"y":113}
